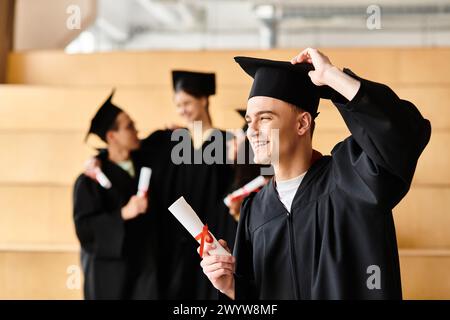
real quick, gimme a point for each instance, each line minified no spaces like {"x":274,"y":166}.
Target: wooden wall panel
{"x":44,"y":275}
{"x":71,"y":108}
{"x":39,"y":275}
{"x":392,"y":65}
{"x":44,"y":157}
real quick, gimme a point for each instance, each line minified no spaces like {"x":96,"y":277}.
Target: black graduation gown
{"x":118,"y":257}
{"x":204,"y":187}
{"x":341,"y":223}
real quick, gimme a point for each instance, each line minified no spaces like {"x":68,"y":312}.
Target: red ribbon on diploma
{"x":243,"y":195}
{"x":204,"y":236}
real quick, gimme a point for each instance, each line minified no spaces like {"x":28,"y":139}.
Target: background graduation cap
{"x":104,"y":118}
{"x":284,"y":81}
{"x":196,"y":83}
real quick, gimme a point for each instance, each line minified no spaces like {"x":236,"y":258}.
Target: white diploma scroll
{"x":253,"y":185}
{"x":192,"y":223}
{"x":144,"y":181}
{"x":102,"y":179}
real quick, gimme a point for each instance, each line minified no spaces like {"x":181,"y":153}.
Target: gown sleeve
{"x":156,"y":141}
{"x":245,"y":287}
{"x":388,"y":134}
{"x":100,"y":232}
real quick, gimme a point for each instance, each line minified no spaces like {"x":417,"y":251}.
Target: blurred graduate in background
{"x":115,"y":227}
{"x":203,"y":185}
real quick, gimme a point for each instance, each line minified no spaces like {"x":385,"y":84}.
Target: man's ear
{"x":304,"y":121}
{"x":109,"y":137}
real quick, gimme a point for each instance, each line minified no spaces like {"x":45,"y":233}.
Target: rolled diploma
{"x":144,"y":181}
{"x":192,"y":223}
{"x":102,"y":179}
{"x":256,"y":183}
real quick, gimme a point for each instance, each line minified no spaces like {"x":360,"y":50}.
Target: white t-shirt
{"x":128,"y":167}
{"x":287,"y":190}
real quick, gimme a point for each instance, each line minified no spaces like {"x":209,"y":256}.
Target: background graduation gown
{"x":204,"y":186}
{"x":118,"y":257}
{"x":341,"y":219}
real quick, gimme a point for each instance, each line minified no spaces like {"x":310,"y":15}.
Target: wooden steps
{"x":68,"y":108}
{"x":42,"y":273}
{"x":425,"y":274}
{"x":45,"y":217}
{"x":393,"y":65}
{"x":40,"y":215}
{"x":42,"y":157}
{"x":422,"y":219}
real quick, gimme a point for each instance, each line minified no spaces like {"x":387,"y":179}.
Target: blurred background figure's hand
{"x":136,"y":206}
{"x":90,"y":167}
{"x":235,"y":208}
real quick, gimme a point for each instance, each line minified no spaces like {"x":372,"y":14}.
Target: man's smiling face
{"x":266,"y":117}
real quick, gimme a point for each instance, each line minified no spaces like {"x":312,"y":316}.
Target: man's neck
{"x":118,"y":155}
{"x":294,"y":165}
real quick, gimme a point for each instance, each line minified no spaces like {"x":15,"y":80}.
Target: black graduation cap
{"x":284,"y":81}
{"x":104,"y":118}
{"x":197,"y":83}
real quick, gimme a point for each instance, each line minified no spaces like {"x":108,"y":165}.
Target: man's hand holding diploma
{"x":184,"y":213}
{"x":136,"y":206}
{"x":217,"y":263}
{"x":219,"y":269}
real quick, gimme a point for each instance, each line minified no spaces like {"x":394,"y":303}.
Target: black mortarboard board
{"x":104,"y":118}
{"x":282,"y":80}
{"x":197,"y":83}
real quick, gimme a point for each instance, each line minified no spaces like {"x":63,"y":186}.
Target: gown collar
{"x":318,"y":164}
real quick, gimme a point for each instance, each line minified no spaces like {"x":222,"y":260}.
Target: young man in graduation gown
{"x":323,"y":227}
{"x":116,"y":231}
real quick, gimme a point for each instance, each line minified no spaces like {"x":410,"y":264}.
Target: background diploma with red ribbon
{"x":192,"y":223}
{"x":250,"y":187}
{"x":102,"y":179}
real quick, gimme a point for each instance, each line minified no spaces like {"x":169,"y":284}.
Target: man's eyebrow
{"x":262,"y":112}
